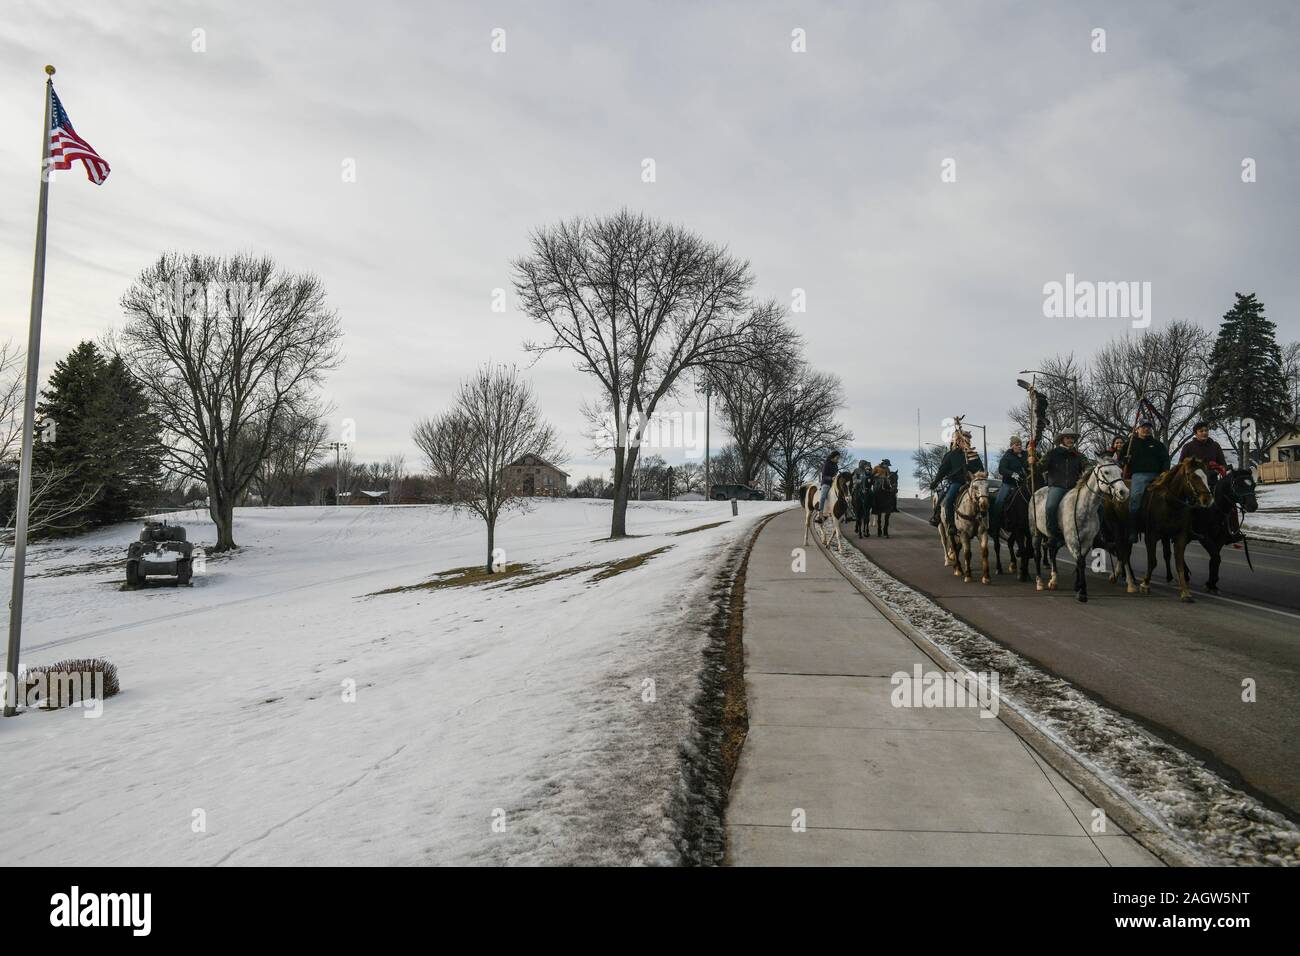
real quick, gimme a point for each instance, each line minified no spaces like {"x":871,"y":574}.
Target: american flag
{"x":66,"y":147}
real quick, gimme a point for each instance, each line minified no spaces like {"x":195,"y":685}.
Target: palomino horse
{"x":837,"y":509}
{"x":971,"y":518}
{"x":1079,"y":518}
{"x":1212,"y":528}
{"x":1172,"y":501}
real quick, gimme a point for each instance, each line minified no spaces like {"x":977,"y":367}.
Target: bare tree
{"x":925,"y":464}
{"x":752,"y":395}
{"x":12,"y":390}
{"x":1167,"y":367}
{"x":297,"y":444}
{"x":224,"y":347}
{"x":638,"y":303}
{"x":809,"y":426}
{"x":498,"y":421}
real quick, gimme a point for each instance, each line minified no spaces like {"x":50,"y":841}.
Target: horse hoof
{"x":1211,"y":589}
{"x":1187,"y":599}
{"x":1132,"y":590}
{"x":1081,"y":598}
{"x":984,"y":580}
{"x":1144,"y":588}
{"x":966,"y":579}
{"x":1038,"y":585}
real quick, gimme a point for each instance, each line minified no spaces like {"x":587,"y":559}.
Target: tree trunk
{"x":492,"y":533}
{"x":221,"y":505}
{"x":624,"y":471}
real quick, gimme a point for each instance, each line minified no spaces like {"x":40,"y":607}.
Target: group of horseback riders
{"x":874,"y":491}
{"x":1141,"y":454}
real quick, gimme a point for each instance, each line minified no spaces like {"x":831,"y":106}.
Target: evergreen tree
{"x":131,"y":448}
{"x":97,"y":431}
{"x":1247,"y":380}
{"x":68,"y":418}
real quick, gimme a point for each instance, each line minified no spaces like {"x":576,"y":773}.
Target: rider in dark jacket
{"x":1146,"y":457}
{"x":1063,"y":466}
{"x":957,"y":466}
{"x":1202,"y":446}
{"x":1012,"y":468}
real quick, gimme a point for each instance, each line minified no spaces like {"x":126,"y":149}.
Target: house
{"x":367,"y":498}
{"x":1283,"y":462}
{"x":532,"y":476}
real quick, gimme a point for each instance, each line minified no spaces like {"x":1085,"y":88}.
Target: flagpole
{"x":29,"y":416}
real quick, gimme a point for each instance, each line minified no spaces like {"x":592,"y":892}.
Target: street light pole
{"x":338,"y":446}
{"x":708,"y":490}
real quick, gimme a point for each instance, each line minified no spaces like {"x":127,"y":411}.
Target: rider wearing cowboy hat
{"x":957,"y":466}
{"x":1063,"y":466}
{"x":1146,"y":457}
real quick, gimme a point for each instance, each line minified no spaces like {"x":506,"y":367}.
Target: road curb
{"x":1140,"y":825}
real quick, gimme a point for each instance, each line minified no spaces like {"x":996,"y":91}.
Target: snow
{"x":1213,"y":820}
{"x":1278,"y":516}
{"x":530,"y":707}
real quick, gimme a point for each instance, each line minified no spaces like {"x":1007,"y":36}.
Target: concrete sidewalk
{"x":877,"y":784}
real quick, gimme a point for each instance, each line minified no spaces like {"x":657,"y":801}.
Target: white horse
{"x":971,"y":517}
{"x":1079,"y":518}
{"x":837,"y":509}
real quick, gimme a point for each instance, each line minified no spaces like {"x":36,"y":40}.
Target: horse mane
{"x":1178,"y":471}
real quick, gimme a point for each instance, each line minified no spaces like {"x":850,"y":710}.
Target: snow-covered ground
{"x":1278,"y":516}
{"x":490,"y":724}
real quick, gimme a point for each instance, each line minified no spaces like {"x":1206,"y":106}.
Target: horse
{"x":884,"y":498}
{"x":1116,"y":521}
{"x":837,"y":510}
{"x":1079,"y":518}
{"x":1212,"y":527}
{"x":945,"y":535}
{"x":971,"y":520}
{"x":1013,"y":521}
{"x":1172,"y":501}
{"x":862,"y":495}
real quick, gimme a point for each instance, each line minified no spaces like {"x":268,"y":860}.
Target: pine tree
{"x":66,"y":440}
{"x":98,"y":432}
{"x":1247,"y":380}
{"x":130,"y":448}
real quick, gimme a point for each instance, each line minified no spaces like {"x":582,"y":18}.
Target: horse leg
{"x":997,"y":555}
{"x":1145,"y":585}
{"x":968,"y":550}
{"x":984,"y":557}
{"x":1180,"y":556}
{"x":1052,"y":549}
{"x":1164,"y":544}
{"x":1216,"y":558}
{"x":1081,"y":581}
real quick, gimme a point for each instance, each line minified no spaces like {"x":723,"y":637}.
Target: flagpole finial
{"x":49,"y":70}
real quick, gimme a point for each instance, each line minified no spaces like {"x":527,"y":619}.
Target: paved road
{"x":873,"y":783}
{"x":1176,"y":668}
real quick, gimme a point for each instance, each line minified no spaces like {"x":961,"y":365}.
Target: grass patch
{"x":460,"y":578}
{"x":703,"y":527}
{"x":52,"y":686}
{"x":612,"y":568}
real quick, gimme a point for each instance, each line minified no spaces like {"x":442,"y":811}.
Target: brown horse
{"x":1172,"y":501}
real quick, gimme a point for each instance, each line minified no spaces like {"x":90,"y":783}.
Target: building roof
{"x":373,"y":494}
{"x":523,"y":461}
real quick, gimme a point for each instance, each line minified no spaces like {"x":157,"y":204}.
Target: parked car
{"x":740,"y":492}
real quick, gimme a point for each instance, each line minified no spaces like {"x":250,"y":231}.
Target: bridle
{"x":970,"y":494}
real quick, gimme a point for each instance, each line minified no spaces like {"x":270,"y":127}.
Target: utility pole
{"x":708,"y":489}
{"x":338,"y":446}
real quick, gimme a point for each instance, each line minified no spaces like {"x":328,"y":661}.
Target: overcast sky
{"x":822,"y":168}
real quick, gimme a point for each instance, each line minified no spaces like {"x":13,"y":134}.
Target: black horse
{"x":884,"y":498}
{"x":1013,"y":522}
{"x":1213,"y":527}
